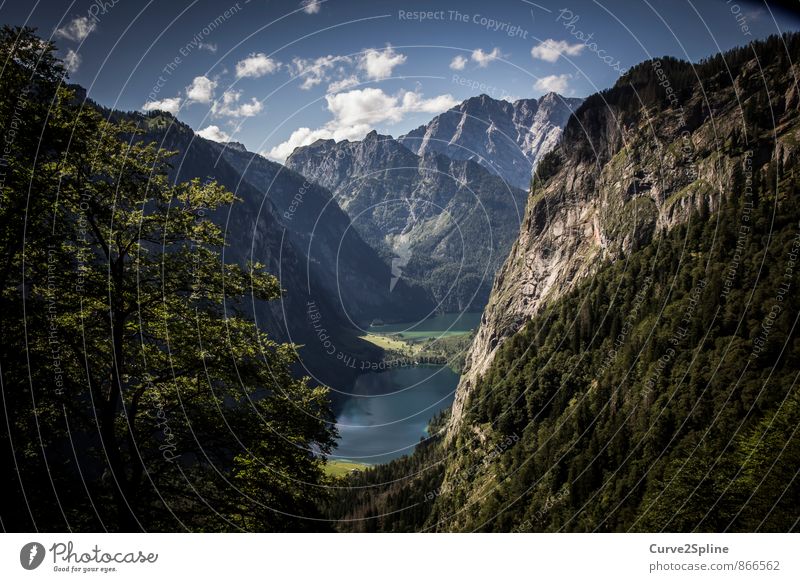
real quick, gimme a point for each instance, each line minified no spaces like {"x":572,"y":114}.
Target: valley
{"x":444,"y":220}
{"x":391,"y":404}
{"x":311,"y":291}
{"x":635,"y":367}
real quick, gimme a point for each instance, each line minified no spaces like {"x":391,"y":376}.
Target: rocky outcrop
{"x":506,"y":138}
{"x":634,"y":161}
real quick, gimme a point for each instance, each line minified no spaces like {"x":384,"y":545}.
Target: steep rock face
{"x":443,"y":224}
{"x":623,"y":173}
{"x":506,"y":138}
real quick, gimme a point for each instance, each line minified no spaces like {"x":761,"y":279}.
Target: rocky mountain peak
{"x":449,"y":221}
{"x":506,"y":138}
{"x":236,"y":146}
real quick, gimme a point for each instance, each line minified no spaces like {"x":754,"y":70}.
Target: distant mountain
{"x":443,"y":224}
{"x":506,"y":138}
{"x":353,"y":273}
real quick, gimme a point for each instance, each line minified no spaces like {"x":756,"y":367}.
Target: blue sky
{"x":277,"y":74}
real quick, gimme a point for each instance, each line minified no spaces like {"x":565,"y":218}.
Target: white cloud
{"x":72,"y":61}
{"x":361,"y":106}
{"x":305,"y":135}
{"x":356,"y":112}
{"x":231,"y":106}
{"x":201,"y":90}
{"x":208,"y":46}
{"x":77,"y":29}
{"x":554,"y":83}
{"x":256,"y":65}
{"x":458,"y":63}
{"x":379,"y":64}
{"x":549,"y":50}
{"x":483,"y":59}
{"x":333,"y":69}
{"x":413,"y":102}
{"x":315,"y":71}
{"x":214,"y":133}
{"x":171,"y":105}
{"x":343,"y":84}
{"x":311,"y":6}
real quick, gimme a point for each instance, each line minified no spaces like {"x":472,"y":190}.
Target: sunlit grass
{"x":340,"y":468}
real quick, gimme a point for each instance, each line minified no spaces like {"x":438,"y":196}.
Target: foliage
{"x":396,"y":496}
{"x":140,"y":398}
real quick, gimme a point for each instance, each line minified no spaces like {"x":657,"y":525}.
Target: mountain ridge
{"x":318,"y":258}
{"x":635,"y":368}
{"x":506,"y":138}
{"x":445,"y":224}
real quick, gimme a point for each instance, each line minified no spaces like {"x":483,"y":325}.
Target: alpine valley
{"x":636,"y":364}
{"x":556,"y":314}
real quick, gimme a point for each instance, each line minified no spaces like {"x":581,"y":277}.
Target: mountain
{"x":506,"y":138}
{"x":299,"y":232}
{"x":610,"y":186}
{"x":443,"y":224}
{"x":635,"y":368}
{"x":346,"y":265}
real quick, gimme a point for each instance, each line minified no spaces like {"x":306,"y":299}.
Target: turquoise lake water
{"x":389,"y":412}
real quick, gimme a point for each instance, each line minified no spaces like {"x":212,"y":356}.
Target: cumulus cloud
{"x":554,"y":83}
{"x":171,"y":105}
{"x":549,"y":50}
{"x":77,"y":29}
{"x":413,"y":102}
{"x":208,"y":46}
{"x":256,"y":65}
{"x":72,"y":61}
{"x":214,"y":133}
{"x":343,"y":84}
{"x":333,"y":69}
{"x":483,"y":59}
{"x":201,"y":90}
{"x":311,"y":6}
{"x":380,"y":64}
{"x":231,"y":106}
{"x":363,"y":106}
{"x":356,"y":112}
{"x":315,"y":71}
{"x":458,"y":63}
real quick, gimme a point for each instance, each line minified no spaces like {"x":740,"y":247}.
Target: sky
{"x":275,"y":75}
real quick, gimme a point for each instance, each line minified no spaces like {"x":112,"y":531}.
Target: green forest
{"x":133,"y":372}
{"x":660,"y":395}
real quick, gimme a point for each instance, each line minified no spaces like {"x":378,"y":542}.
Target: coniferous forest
{"x":659,"y":394}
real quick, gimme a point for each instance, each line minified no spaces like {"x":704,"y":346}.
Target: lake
{"x":389,"y":412}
